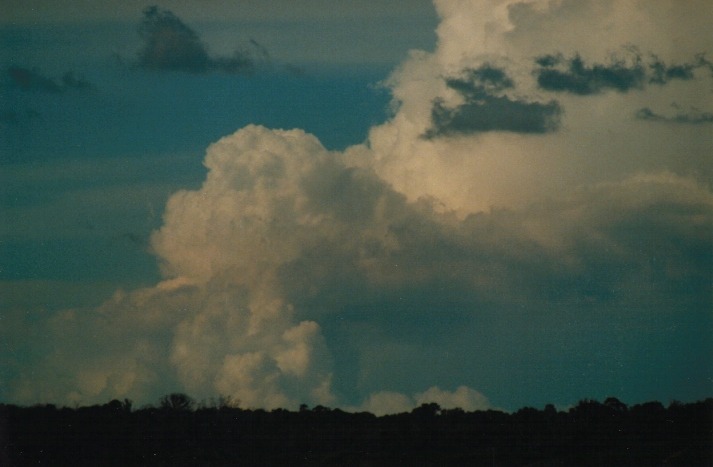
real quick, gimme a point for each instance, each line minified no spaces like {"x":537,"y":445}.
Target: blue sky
{"x":364,"y":206}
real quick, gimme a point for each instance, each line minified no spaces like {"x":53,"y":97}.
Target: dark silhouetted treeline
{"x":180,"y":432}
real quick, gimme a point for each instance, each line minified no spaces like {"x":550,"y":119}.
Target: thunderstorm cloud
{"x":485,"y":241}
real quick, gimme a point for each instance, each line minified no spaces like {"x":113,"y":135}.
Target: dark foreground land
{"x":178,"y":433}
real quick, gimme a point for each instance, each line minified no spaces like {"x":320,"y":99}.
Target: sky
{"x":368,"y":205}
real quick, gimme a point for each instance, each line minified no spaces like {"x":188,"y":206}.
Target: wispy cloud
{"x":560,"y":74}
{"x":31,"y":79}
{"x":693,"y":117}
{"x":171,"y":45}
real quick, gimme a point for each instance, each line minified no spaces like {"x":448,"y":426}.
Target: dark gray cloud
{"x":662,"y":74}
{"x":633,"y":252}
{"x":486,"y":108}
{"x":171,"y":45}
{"x":576,"y":77}
{"x":30,"y":79}
{"x":692,"y":117}
{"x":560,"y":74}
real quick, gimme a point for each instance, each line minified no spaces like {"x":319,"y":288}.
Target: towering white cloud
{"x":596,"y":138}
{"x":252,"y":216}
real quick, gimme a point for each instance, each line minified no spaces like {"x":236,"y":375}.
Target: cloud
{"x":580,"y":79}
{"x":463,"y":397}
{"x":389,"y":402}
{"x":694,"y":117}
{"x":662,"y":74}
{"x":171,"y":45}
{"x":283,"y":240}
{"x":531,"y":267}
{"x":447,"y":93}
{"x":484,"y":110}
{"x":28,"y":79}
{"x":559,"y":74}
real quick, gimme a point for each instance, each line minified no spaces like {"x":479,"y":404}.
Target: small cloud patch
{"x":487,"y":108}
{"x":560,"y":74}
{"x":171,"y":45}
{"x":694,"y":117}
{"x":30,"y":79}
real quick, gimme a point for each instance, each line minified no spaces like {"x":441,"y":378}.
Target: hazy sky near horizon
{"x":371,"y":205}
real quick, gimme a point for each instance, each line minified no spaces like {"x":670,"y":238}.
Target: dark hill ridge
{"x":179,"y":433}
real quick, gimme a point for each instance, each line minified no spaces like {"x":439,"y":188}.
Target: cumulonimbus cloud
{"x":284,"y":237}
{"x":487,"y":261}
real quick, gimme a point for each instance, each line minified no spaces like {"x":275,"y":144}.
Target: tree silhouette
{"x":615,"y":404}
{"x":178,"y":433}
{"x":177,"y":402}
